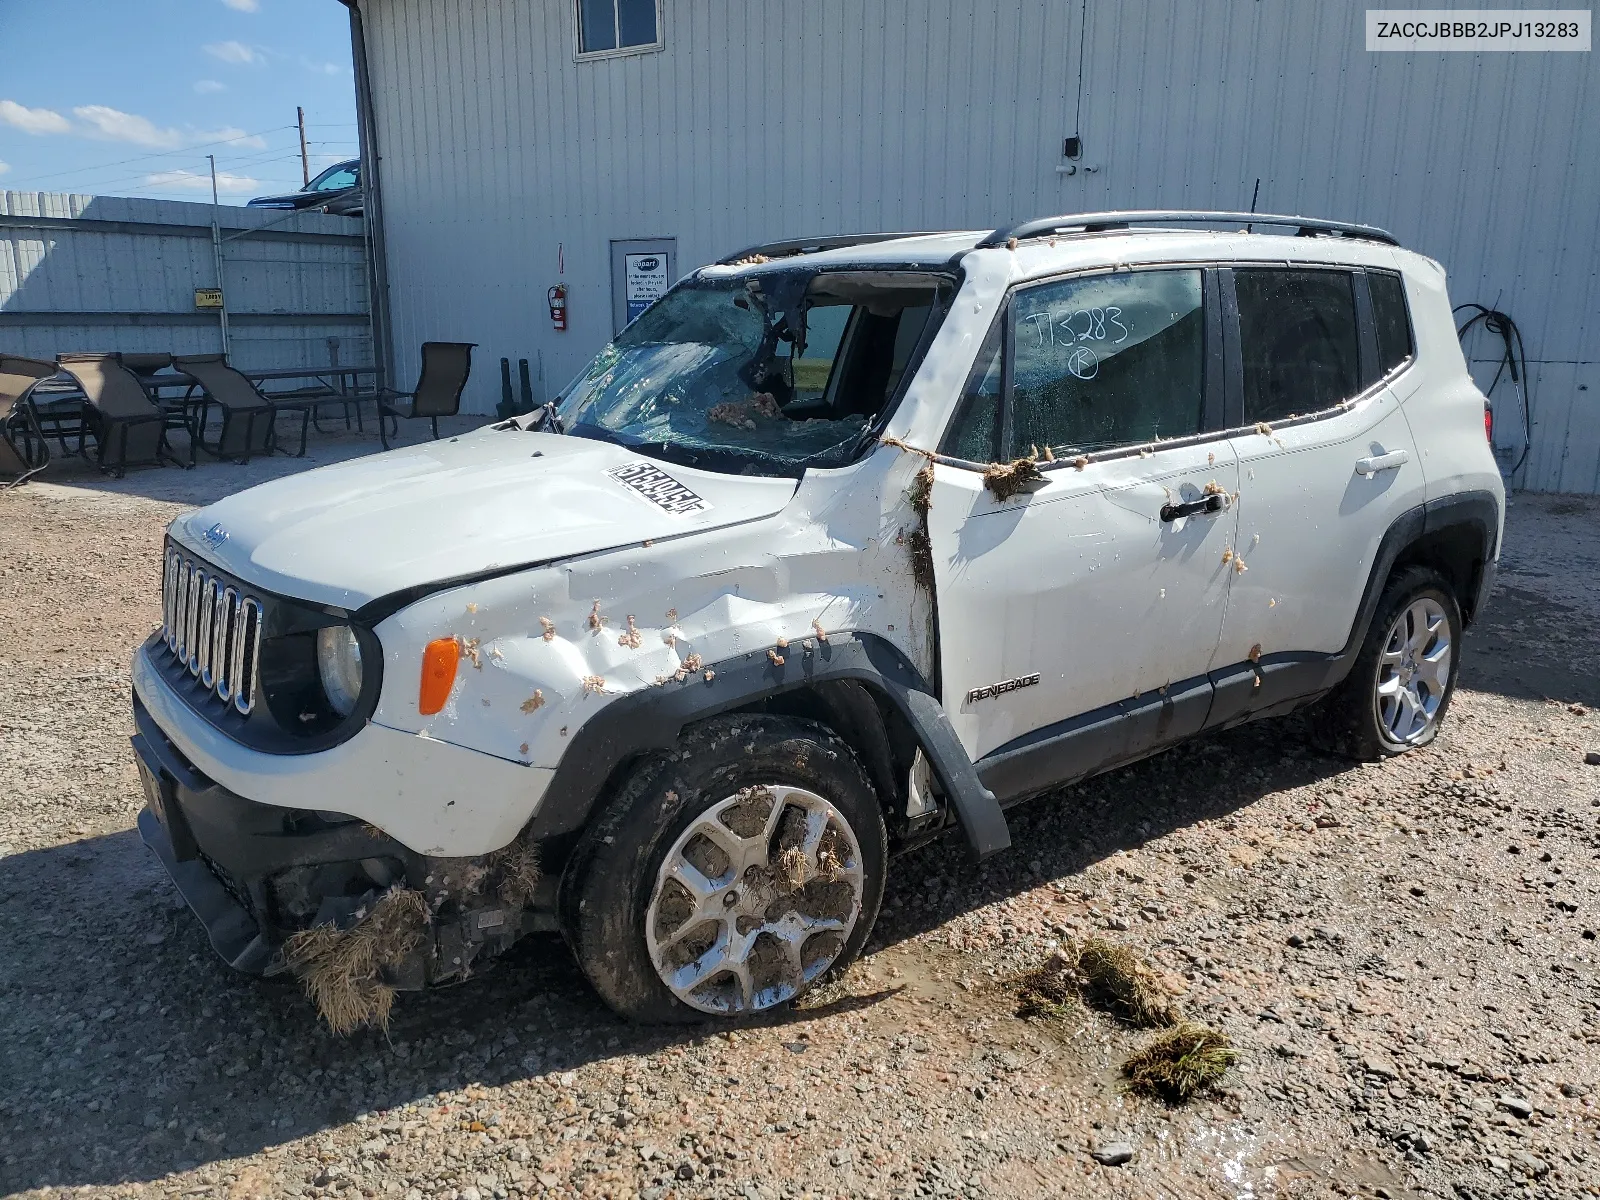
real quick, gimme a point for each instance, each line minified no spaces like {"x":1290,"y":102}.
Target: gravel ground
{"x":1405,"y":954}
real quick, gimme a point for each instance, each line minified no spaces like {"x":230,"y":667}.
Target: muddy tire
{"x":730,"y":876}
{"x":1396,"y":695}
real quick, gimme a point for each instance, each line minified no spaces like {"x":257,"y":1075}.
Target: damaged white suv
{"x":840,"y":545}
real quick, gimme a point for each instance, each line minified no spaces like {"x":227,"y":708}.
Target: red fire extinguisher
{"x":558,"y":305}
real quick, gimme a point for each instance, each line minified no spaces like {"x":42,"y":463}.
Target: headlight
{"x":339,"y":665}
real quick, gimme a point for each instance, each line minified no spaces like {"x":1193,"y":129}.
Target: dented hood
{"x":349,"y":533}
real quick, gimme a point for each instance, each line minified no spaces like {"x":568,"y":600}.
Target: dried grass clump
{"x":1005,"y":480}
{"x":340,"y":968}
{"x":1119,"y":981}
{"x":1177,"y":1065}
{"x":519,"y":871}
{"x":1049,"y":993}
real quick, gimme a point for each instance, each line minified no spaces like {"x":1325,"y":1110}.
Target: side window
{"x":825,"y":325}
{"x":1390,"y":316}
{"x":605,"y":26}
{"x":1298,"y":339}
{"x":1107,"y":361}
{"x":338,"y":181}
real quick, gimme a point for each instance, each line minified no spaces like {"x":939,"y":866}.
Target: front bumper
{"x":254,"y":874}
{"x":225,"y":852}
{"x":432,"y":796}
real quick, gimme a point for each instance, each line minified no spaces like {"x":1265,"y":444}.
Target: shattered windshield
{"x":762,"y":374}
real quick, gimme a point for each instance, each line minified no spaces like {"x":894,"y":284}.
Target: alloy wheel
{"x":755,"y":900}
{"x":1414,"y":671}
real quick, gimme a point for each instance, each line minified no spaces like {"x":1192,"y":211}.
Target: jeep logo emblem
{"x":214,"y":536}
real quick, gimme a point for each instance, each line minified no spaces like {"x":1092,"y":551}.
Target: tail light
{"x":1488,"y":422}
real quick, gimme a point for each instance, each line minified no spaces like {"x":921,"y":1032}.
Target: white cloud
{"x":33,"y":120}
{"x":206,"y":86}
{"x":191,"y":181}
{"x":232,"y":52}
{"x":326,"y":68}
{"x":243,"y":5}
{"x":4,"y":167}
{"x":113,"y":125}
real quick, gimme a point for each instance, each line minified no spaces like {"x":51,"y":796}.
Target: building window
{"x":618,"y":27}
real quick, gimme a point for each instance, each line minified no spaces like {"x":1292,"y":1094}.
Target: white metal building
{"x":518,"y":147}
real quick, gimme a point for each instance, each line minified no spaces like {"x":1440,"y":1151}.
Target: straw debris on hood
{"x":1179,"y":1064}
{"x":341,"y":969}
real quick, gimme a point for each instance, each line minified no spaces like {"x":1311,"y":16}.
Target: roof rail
{"x":1100,"y":222}
{"x":793,"y":246}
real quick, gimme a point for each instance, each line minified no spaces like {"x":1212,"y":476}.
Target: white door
{"x":1317,"y":495}
{"x":1079,"y":595}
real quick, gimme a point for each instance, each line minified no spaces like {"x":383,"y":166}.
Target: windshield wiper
{"x":549,"y":420}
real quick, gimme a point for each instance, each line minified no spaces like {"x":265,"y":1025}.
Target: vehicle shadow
{"x":1060,"y":835}
{"x":128,"y":1052}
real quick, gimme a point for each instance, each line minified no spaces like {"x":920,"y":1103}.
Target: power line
{"x":161,"y":154}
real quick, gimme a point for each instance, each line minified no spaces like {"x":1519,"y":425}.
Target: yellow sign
{"x":208,"y":297}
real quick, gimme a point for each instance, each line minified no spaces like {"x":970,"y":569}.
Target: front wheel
{"x":1396,"y":695}
{"x":730,"y":876}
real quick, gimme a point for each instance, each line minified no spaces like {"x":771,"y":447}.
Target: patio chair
{"x":23,"y":449}
{"x":445,"y":367}
{"x":248,"y":416}
{"x":128,"y":428}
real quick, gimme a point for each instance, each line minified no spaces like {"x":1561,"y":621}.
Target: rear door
{"x":1326,"y":465}
{"x":1067,"y":609}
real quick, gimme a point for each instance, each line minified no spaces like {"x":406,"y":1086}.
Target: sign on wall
{"x":644,"y":281}
{"x":641,"y":273}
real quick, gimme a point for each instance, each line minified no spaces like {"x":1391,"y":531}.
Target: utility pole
{"x":216,"y":255}
{"x":305,"y":161}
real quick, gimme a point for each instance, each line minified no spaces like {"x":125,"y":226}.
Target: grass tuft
{"x":1005,"y":480}
{"x":1049,"y":993}
{"x":1181,"y":1063}
{"x":1120,"y":982}
{"x":341,"y":968}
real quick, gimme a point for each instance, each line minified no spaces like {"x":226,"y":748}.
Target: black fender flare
{"x":1476,"y":510}
{"x":652,"y":719}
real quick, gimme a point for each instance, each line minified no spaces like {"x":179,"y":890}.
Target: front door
{"x":1072,"y":613}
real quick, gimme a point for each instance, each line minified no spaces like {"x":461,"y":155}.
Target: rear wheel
{"x":730,"y":876}
{"x":1396,"y":695}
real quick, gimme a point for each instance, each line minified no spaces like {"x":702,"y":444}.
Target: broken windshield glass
{"x":771,"y":373}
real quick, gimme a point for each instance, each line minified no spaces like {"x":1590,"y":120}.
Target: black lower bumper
{"x":255,"y":873}
{"x":233,"y":931}
{"x":224,"y":852}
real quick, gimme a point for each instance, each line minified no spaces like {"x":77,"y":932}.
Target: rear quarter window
{"x":1392,"y":319}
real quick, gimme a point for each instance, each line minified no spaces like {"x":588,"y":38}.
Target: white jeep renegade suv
{"x":840,"y":545}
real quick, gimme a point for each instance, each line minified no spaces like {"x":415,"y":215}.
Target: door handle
{"x":1382,"y":462}
{"x":1206,"y":504}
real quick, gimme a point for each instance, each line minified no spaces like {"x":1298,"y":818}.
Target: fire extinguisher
{"x":558,"y":305}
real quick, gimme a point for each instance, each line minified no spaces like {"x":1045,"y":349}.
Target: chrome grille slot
{"x":211,"y":628}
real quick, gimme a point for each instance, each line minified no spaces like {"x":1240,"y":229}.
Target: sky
{"x":127,"y":97}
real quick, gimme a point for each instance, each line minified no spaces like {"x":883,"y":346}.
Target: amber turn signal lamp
{"x":439,"y":661}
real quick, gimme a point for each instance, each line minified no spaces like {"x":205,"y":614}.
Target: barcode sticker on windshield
{"x":661,"y":489}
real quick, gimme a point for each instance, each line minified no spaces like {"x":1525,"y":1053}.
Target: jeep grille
{"x":212,"y":628}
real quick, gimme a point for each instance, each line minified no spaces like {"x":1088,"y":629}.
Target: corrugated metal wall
{"x":114,"y":273}
{"x":761,"y":120}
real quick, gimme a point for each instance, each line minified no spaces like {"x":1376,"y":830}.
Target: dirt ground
{"x":1405,"y":955}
